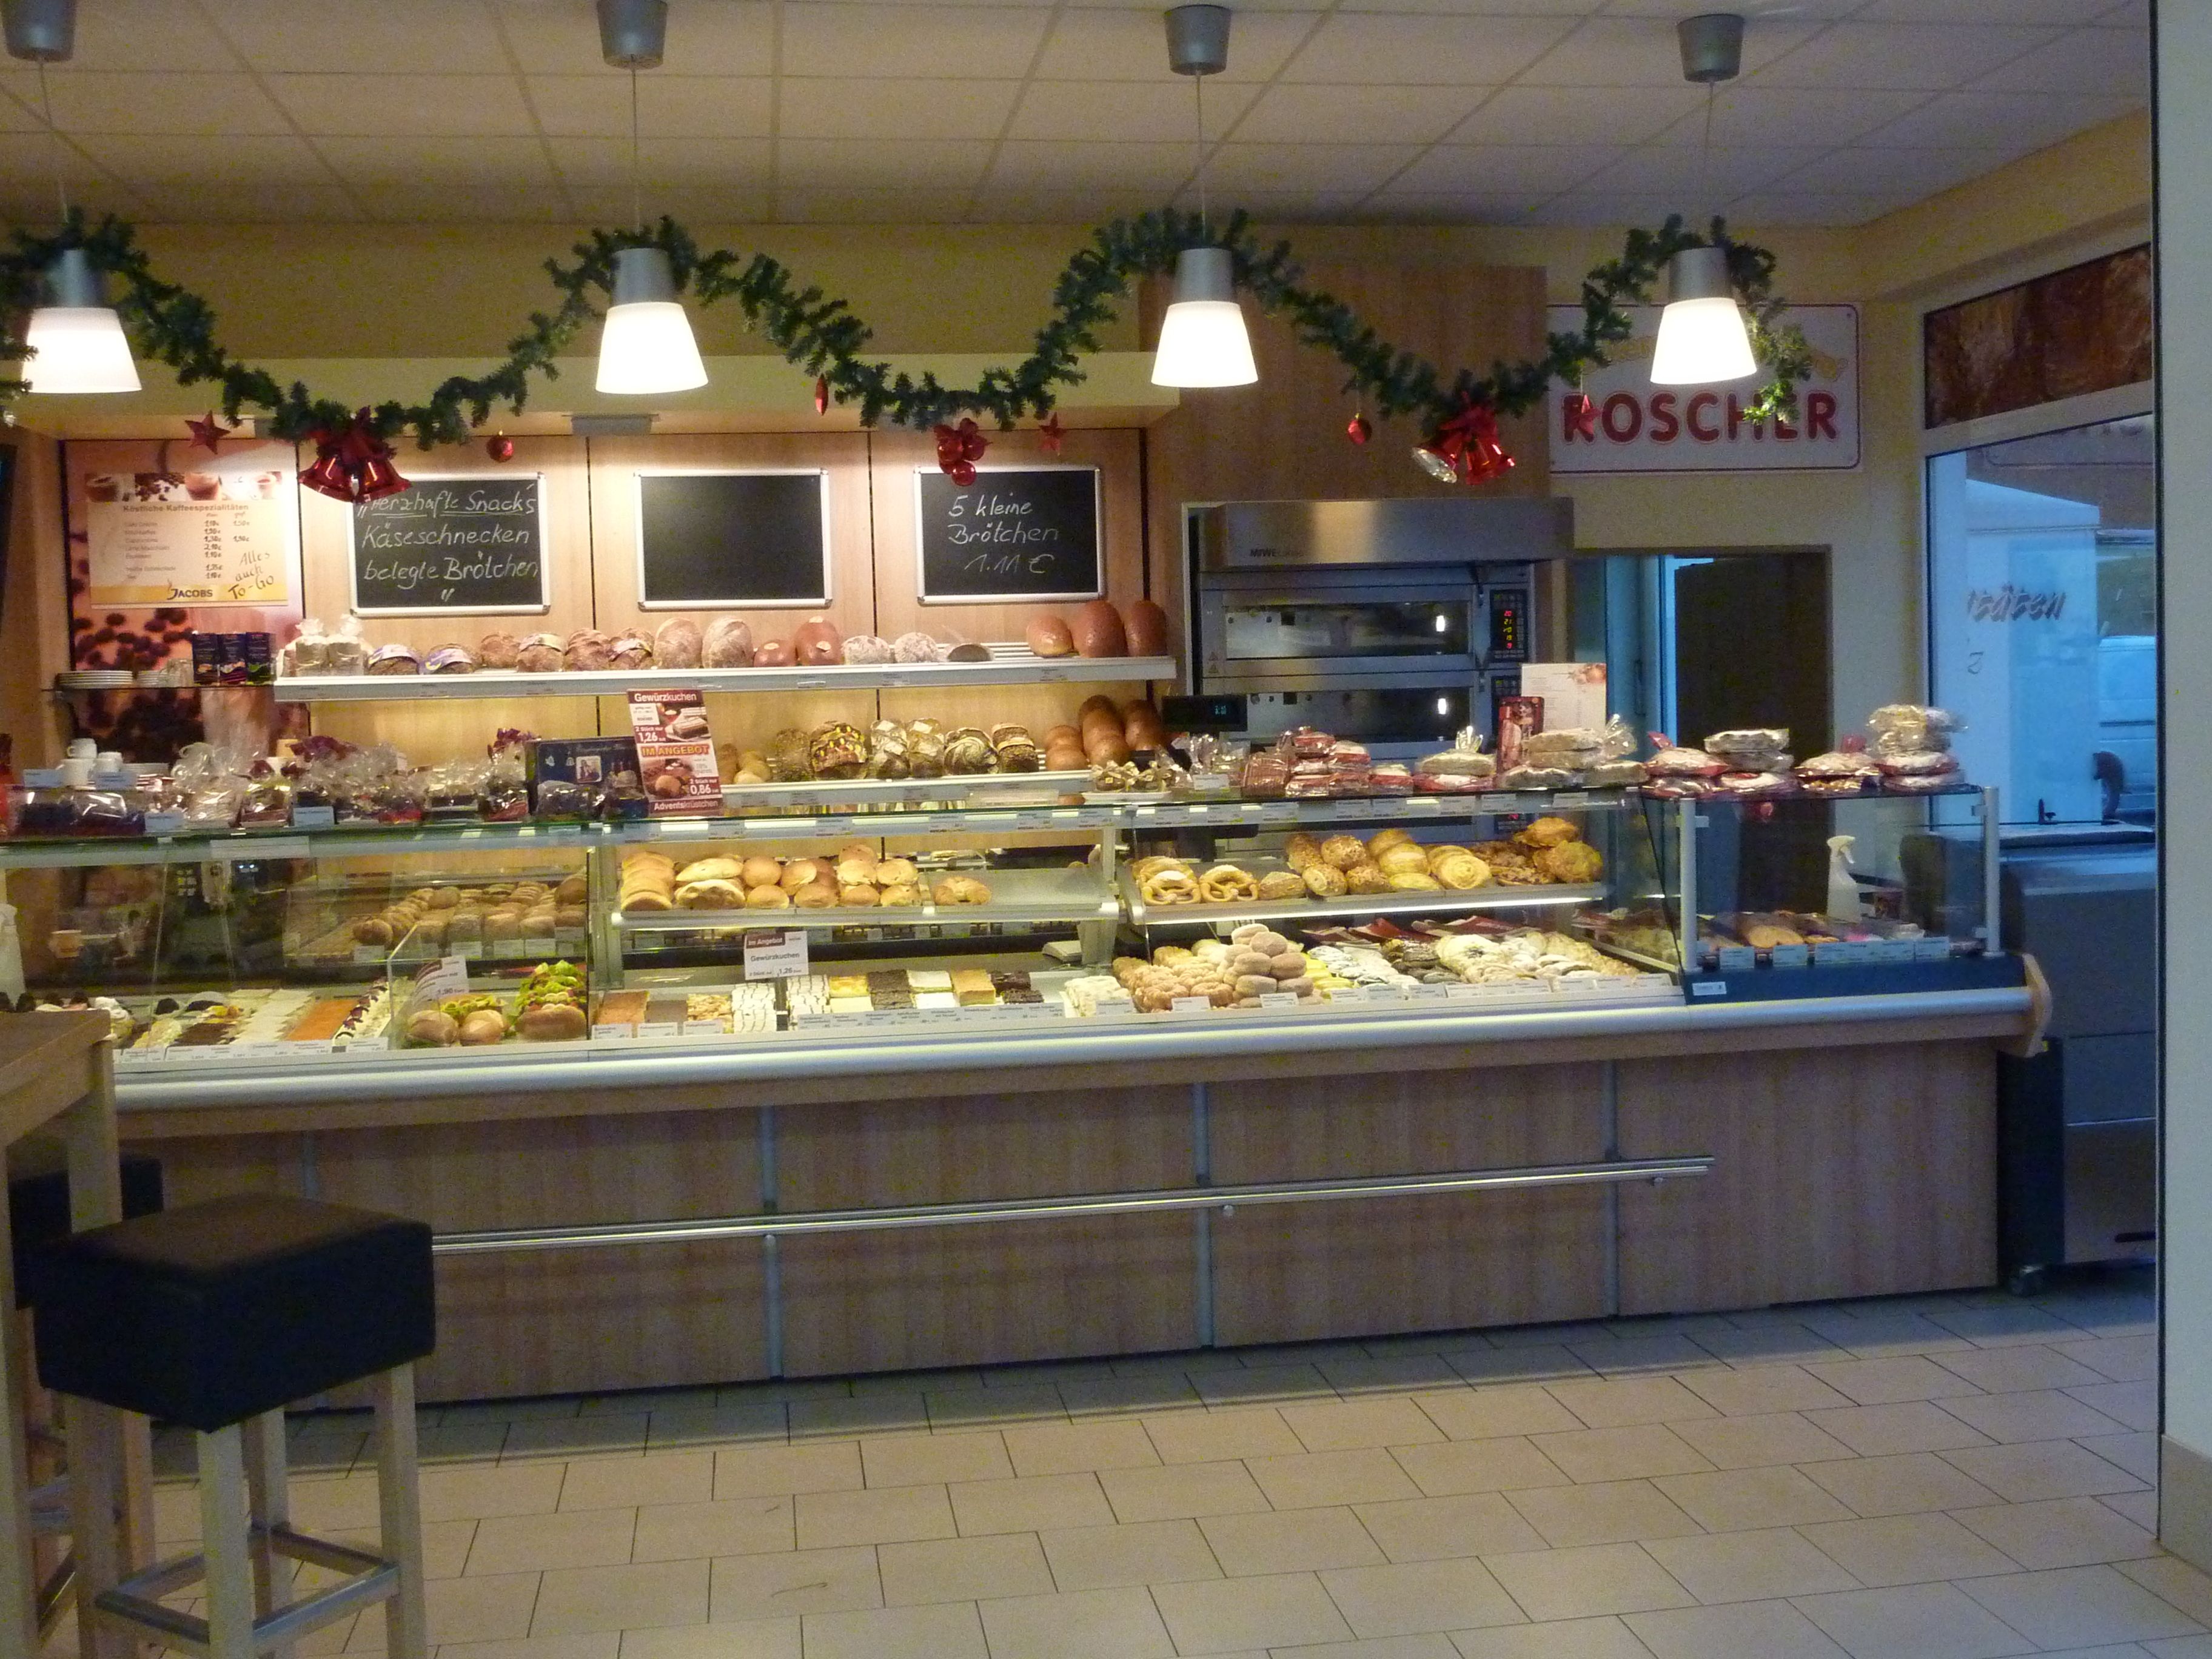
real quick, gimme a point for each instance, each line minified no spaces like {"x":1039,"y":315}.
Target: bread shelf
{"x":1009,"y":665}
{"x":1357,"y":907}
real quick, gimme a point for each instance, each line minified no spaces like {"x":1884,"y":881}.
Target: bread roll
{"x":1367,"y":878}
{"x":815,"y":896}
{"x":856,"y":893}
{"x":1048,"y":636}
{"x":903,"y":895}
{"x":1382,"y":839}
{"x":1404,"y":859}
{"x":484,"y":1026}
{"x":1097,"y":631}
{"x":800,"y":872}
{"x":772,"y":653}
{"x":554,"y":1023}
{"x":761,"y":871}
{"x":767,"y":898}
{"x":1344,"y":851}
{"x":713,"y":869}
{"x":889,"y":873}
{"x":1279,"y":884}
{"x":499,"y":650}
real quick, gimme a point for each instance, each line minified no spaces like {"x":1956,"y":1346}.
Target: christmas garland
{"x":823,"y":336}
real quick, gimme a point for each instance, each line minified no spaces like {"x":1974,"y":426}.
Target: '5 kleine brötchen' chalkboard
{"x":460,"y":544}
{"x":1016,"y":534}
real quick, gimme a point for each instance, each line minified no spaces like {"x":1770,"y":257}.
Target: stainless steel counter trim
{"x":1078,"y":1207}
{"x":404,"y":1077}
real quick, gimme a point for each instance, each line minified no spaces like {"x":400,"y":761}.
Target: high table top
{"x":42,"y":1065}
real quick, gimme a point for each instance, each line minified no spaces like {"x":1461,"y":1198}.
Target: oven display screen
{"x":1509,"y":625}
{"x":1299,"y":628}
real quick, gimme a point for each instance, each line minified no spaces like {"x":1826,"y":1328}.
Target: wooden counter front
{"x":1850,"y":1159}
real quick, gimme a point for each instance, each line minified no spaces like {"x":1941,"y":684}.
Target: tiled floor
{"x":1932,"y":1478}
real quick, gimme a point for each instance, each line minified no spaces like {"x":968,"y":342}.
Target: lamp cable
{"x":54,"y":141}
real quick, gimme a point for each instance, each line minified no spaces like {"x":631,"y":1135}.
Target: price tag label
{"x":469,"y":950}
{"x":504,"y":950}
{"x":164,"y":824}
{"x":1190,"y":1005}
{"x":314,"y":818}
{"x":1738,"y":958}
{"x":268,"y":847}
{"x":1792,"y":955}
{"x":1571,"y":801}
{"x":659,"y":1028}
{"x":1280,"y":812}
{"x":1931,"y":950}
{"x":1466,"y":993}
{"x":1432,"y":992}
{"x":775,"y":953}
{"x":1031,"y":820}
{"x":1197,"y":813}
{"x":542,"y":946}
{"x":1279,"y":1000}
{"x":668,"y":829}
{"x":812,"y":682}
{"x":614,"y":1033}
{"x":1844,"y":953}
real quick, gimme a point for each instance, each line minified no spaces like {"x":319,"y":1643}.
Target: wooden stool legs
{"x":406,"y":1622}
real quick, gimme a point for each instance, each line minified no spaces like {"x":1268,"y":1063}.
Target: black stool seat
{"x":210,"y":1314}
{"x":38,"y":1209}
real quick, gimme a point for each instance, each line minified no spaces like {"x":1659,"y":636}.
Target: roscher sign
{"x":1631,"y":425}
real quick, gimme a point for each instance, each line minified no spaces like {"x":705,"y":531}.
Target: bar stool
{"x":39,"y":1218}
{"x":215,"y":1316}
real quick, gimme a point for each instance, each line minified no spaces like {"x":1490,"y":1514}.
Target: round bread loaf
{"x":677,"y":643}
{"x":1048,"y":636}
{"x":1097,"y":631}
{"x":727,"y":643}
{"x":1147,"y":629}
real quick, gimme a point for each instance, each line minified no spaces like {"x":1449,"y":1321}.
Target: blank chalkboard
{"x":758,"y":538}
{"x":467,"y":544}
{"x":1016,"y":534}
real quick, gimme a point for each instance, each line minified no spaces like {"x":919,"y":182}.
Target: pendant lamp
{"x":647,"y":345}
{"x":77,"y":340}
{"x":1203,"y":339}
{"x":1703,"y":340}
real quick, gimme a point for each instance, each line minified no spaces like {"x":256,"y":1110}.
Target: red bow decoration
{"x":958,"y":449}
{"x":1465,"y":449}
{"x":1053,"y":434}
{"x":353,"y":465}
{"x":209,"y":434}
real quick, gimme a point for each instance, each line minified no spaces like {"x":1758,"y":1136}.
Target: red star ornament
{"x":209,"y":434}
{"x":1051,"y":434}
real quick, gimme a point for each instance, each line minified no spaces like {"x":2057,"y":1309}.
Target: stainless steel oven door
{"x":1396,"y":722}
{"x":1269,"y":632}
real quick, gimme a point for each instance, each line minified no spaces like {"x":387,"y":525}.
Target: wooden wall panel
{"x":999,"y":1292}
{"x":1356,"y":1267}
{"x":1839,"y":1173}
{"x":615,"y":463}
{"x":1284,"y":437}
{"x":1117,"y":454}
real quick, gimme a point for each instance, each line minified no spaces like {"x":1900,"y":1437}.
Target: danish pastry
{"x":1569,"y":862}
{"x":1548,"y":832}
{"x":1461,"y":871}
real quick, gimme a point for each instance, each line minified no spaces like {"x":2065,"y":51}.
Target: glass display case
{"x":1812,"y":896}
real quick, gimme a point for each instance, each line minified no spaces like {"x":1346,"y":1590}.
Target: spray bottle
{"x":1843,"y":904}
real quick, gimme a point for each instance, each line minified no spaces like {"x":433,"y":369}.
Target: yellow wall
{"x":355,"y":291}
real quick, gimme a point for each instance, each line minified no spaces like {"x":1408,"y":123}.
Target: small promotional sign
{"x":676,"y":753}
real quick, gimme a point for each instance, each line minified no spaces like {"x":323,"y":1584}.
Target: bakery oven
{"x":1393,"y":622}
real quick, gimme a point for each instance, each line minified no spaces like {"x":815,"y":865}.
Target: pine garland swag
{"x":821,"y":335}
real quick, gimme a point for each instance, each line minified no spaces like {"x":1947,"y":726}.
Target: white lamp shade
{"x":646,"y":347}
{"x":1204,"y":343}
{"x":78,"y":349}
{"x":1701,"y":342}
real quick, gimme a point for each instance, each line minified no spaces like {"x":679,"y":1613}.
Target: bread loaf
{"x":677,"y":643}
{"x":1147,"y":629}
{"x":1097,"y":631}
{"x":727,"y":643}
{"x":1048,"y":636}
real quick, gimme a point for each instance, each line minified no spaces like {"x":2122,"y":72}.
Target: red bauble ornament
{"x":958,"y":448}
{"x":209,"y":434}
{"x":821,"y":394}
{"x":500,"y":447}
{"x":1358,"y":429}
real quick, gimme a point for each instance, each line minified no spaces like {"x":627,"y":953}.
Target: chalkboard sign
{"x":1016,"y":534}
{"x":468,"y":544}
{"x":757,"y":538}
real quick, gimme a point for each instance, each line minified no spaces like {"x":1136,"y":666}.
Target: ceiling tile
{"x":1576,"y":115}
{"x":1760,"y":16}
{"x":1478,"y":10}
{"x":16,"y":116}
{"x":1131,"y":46}
{"x":1604,"y":208}
{"x":2016,"y":12}
{"x":1770,"y":115}
{"x":663,"y":163}
{"x":894,"y":110}
{"x":1245,"y":9}
{"x":1899,"y":56}
{"x":397,"y":37}
{"x":2020,"y":121}
{"x":867,"y":164}
{"x":1152,"y":169}
{"x":668,"y":106}
{"x":1303,"y":207}
{"x":1449,"y":208}
{"x":266,"y":202}
{"x":93,"y":101}
{"x":1694,"y":177}
{"x":864,"y":207}
{"x":2115,"y":61}
{"x":995,"y":205}
{"x":1915,"y":173}
{"x":882,"y":41}
{"x":1367,"y":49}
{"x":146,"y":34}
{"x":244,"y":163}
{"x":1283,"y":169}
{"x":1122,"y":110}
{"x":1415,"y":115}
{"x":406,"y":158}
{"x":2129,"y":14}
{"x":28,"y":162}
{"x":368,"y":105}
{"x":1641,"y":51}
{"x":1522,"y":173}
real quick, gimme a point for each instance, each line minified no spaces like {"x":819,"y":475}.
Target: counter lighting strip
{"x":1203,"y":1199}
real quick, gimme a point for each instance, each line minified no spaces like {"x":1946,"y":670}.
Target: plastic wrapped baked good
{"x":1613,"y":774}
{"x":1919,"y":763}
{"x":677,"y":643}
{"x":1538,"y":777}
{"x":394,"y":659}
{"x":727,"y":643}
{"x":450,"y":659}
{"x":837,"y":750}
{"x":1907,"y":728}
{"x":1016,"y":750}
{"x":498,"y":650}
{"x":1569,"y":747}
{"x":1463,"y":759}
{"x":542,"y":654}
{"x":1757,"y":748}
{"x":1670,"y":760}
{"x":925,"y":748}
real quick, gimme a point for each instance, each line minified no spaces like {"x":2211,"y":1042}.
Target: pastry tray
{"x":1353,"y":906}
{"x":1070,"y":895}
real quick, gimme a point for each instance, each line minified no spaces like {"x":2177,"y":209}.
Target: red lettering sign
{"x":1625,"y":404}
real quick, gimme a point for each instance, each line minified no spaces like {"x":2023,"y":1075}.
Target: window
{"x":2042,"y":571}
